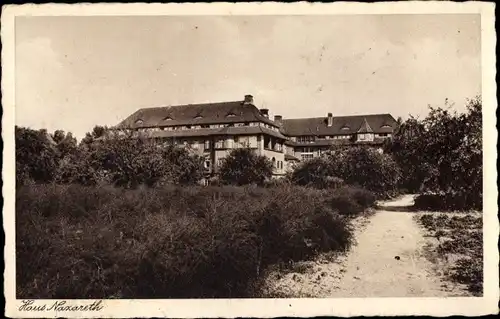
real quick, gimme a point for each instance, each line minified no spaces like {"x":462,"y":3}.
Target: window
{"x":139,"y":122}
{"x":168,"y":118}
{"x":307,"y":156}
{"x":205,"y":126}
{"x":274,"y":162}
{"x":231,"y":115}
{"x":361,"y":136}
{"x":188,"y":127}
{"x":219,"y":143}
{"x":383,"y":134}
{"x":207,"y":145}
{"x":305,"y":139}
{"x":198,"y":116}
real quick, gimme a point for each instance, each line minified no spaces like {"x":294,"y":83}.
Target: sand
{"x":387,"y":261}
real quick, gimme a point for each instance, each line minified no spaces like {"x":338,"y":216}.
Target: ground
{"x":387,"y":261}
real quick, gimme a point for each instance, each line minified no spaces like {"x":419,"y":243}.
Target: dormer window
{"x":345,"y":128}
{"x":198,"y":116}
{"x":139,"y":122}
{"x":168,"y":118}
{"x":386,"y":126}
{"x":230,"y":115}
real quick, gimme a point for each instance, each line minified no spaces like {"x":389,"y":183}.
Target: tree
{"x":243,"y":166}
{"x":66,"y":144}
{"x":36,"y":156}
{"x":405,"y":149}
{"x":442,"y":154}
{"x":128,"y":159}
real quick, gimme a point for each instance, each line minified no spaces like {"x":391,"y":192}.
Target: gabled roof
{"x":195,"y":114}
{"x":342,"y":125}
{"x":365,"y":127}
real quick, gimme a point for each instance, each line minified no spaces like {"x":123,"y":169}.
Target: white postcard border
{"x":263,"y":307}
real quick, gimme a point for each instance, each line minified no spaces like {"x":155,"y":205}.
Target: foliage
{"x":36,"y":156}
{"x":104,"y":156}
{"x":166,"y":242}
{"x":318,"y":172}
{"x":442,"y":154}
{"x":367,"y":168}
{"x":242,"y":166}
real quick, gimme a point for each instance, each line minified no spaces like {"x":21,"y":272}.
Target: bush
{"x":366,"y":168}
{"x":318,"y":173}
{"x":446,"y":201}
{"x":352,"y":201}
{"x":243,"y":167}
{"x":167,"y":242}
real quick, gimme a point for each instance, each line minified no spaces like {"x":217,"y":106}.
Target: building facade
{"x":214,"y":129}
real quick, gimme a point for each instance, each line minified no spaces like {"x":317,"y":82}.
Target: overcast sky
{"x":76,"y":72}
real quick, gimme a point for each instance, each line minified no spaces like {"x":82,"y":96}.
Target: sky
{"x":73,"y":73}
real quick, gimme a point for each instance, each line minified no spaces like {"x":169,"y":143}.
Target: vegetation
{"x":103,"y":157}
{"x":102,"y":218}
{"x":242,"y":167}
{"x":359,"y":166}
{"x":460,"y":243}
{"x":76,"y":241}
{"x":441,"y":156}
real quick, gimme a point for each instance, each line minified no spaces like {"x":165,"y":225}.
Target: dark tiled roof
{"x":365,"y":127}
{"x":195,"y":114}
{"x":244,"y":130}
{"x":342,"y":125}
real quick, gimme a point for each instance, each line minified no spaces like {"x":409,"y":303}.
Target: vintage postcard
{"x":249,"y":160}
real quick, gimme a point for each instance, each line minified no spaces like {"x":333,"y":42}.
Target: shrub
{"x":167,"y":242}
{"x":366,"y":168}
{"x":351,"y":201}
{"x":318,"y":173}
{"x":242,"y":166}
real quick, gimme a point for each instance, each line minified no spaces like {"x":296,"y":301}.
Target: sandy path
{"x":370,"y":269}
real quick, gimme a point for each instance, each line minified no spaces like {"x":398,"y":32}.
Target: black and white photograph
{"x":252,"y":153}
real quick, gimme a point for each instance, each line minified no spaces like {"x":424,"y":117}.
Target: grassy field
{"x":172,"y":242}
{"x":458,"y":246}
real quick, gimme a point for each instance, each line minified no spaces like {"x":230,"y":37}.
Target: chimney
{"x":265,"y":112}
{"x":248,"y":99}
{"x":330,"y":120}
{"x":278,"y":119}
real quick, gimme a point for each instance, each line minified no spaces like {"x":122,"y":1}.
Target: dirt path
{"x":371,"y":268}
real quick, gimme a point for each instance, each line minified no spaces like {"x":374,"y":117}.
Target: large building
{"x":214,"y":129}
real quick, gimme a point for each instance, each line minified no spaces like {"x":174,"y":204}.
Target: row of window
{"x":307,"y":156}
{"x":220,"y":161}
{"x":194,"y":127}
{"x":308,"y":139}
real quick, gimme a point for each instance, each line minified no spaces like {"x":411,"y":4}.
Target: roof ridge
{"x":190,"y":104}
{"x":339,"y":116}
